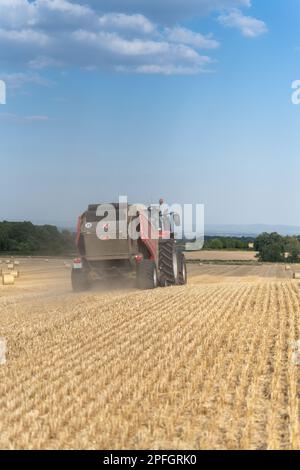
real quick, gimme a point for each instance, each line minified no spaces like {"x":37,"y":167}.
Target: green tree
{"x":271,"y":247}
{"x":229,"y":243}
{"x":216,"y":244}
{"x":24,"y":237}
{"x":293,"y":249}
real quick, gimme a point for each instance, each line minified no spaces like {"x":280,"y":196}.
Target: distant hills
{"x":251,"y":230}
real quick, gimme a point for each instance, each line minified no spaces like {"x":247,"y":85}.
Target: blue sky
{"x":190,"y":100}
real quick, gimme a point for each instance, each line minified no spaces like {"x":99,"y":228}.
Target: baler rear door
{"x":105,"y":236}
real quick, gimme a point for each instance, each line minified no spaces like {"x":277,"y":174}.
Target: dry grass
{"x":230,"y":273}
{"x":217,"y":255}
{"x":197,"y":367}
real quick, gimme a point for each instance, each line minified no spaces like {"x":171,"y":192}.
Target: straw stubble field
{"x":208,"y":365}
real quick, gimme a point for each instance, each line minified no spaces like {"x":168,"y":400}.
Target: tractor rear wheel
{"x":147,"y":274}
{"x":80,"y":280}
{"x":168,"y":263}
{"x":182,"y":269}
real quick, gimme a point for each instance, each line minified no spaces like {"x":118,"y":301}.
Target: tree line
{"x":227,"y":243}
{"x":273,"y":247}
{"x":27,"y":238}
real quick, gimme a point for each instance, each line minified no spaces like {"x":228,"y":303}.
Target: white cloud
{"x":113,"y":35}
{"x":136,"y":48}
{"x":18,"y":80}
{"x":64,"y":6}
{"x":186,"y":36}
{"x":24,"y":36}
{"x":34,"y":118}
{"x":43,"y":62}
{"x":16,"y":118}
{"x":121,"y":21}
{"x":15,"y":13}
{"x":249,"y":27}
{"x":141,"y":56}
{"x":167,"y":11}
{"x":168,"y":69}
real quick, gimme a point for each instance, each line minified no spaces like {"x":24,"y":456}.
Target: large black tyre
{"x":168,"y":263}
{"x":80,"y":280}
{"x":182,"y":269}
{"x":146,"y":275}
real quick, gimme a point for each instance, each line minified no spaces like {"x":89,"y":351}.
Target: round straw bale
{"x":15,"y":273}
{"x":8,"y":279}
